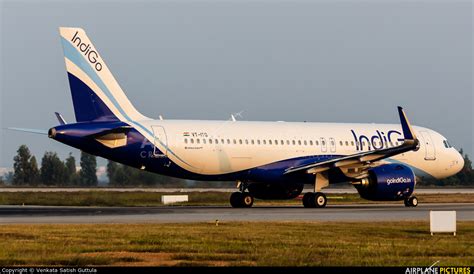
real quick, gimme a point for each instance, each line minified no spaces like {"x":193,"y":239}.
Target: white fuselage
{"x":221,"y":147}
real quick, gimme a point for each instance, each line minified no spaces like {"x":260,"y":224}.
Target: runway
{"x":183,"y":214}
{"x":346,"y":190}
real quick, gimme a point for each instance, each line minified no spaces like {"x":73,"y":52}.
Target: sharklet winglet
{"x":408,"y":133}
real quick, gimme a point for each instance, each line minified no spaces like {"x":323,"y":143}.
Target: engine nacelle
{"x":390,"y":182}
{"x":275,"y":191}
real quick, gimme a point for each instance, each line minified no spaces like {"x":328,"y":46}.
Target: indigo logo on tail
{"x":88,"y":51}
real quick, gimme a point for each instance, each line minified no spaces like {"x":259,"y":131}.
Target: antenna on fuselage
{"x":237,"y":114}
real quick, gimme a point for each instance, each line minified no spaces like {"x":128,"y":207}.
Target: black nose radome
{"x":52,"y":133}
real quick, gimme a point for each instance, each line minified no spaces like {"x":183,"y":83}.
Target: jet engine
{"x":389,"y":182}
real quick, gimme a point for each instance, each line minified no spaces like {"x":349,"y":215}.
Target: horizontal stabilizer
{"x":30,"y":130}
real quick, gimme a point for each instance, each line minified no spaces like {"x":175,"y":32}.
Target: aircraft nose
{"x":460,"y":161}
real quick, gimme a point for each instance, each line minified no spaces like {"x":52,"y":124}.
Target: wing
{"x":364,"y":159}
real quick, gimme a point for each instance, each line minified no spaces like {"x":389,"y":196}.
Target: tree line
{"x":55,"y":172}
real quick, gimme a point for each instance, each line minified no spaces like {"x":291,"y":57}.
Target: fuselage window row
{"x":293,"y":142}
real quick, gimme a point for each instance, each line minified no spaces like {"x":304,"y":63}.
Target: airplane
{"x":267,"y":160}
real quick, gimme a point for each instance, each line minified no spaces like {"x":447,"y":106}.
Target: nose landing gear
{"x":411,"y":201}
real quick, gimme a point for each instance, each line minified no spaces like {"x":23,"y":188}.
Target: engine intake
{"x":390,"y":182}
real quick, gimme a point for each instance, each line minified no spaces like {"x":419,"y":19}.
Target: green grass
{"x":237,"y":243}
{"x":142,"y":198}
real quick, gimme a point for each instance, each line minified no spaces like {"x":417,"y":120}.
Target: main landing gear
{"x":411,"y":201}
{"x":241,"y":199}
{"x":314,"y":200}
{"x":317,"y":199}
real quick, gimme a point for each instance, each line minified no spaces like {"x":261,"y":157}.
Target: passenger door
{"x":430,"y":150}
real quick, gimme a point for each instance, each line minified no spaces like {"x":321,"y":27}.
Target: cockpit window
{"x":447,"y":144}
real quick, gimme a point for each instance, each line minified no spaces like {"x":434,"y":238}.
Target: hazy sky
{"x":328,"y":61}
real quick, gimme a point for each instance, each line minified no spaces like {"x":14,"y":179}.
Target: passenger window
{"x":253,"y":143}
{"x":204,"y":141}
{"x":305,"y":142}
{"x":299,"y":142}
{"x":217,"y":142}
{"x":258,"y":142}
{"x":198,"y":141}
{"x":288,"y":142}
{"x":246,"y":141}
{"x":340,"y":143}
{"x":185,"y":140}
{"x":192,"y":141}
{"x":264,"y":142}
{"x":210,"y":141}
{"x":269,"y":142}
{"x":347,"y":143}
{"x":317,"y":142}
{"x":234,"y":141}
{"x":228,"y":141}
{"x":276,"y":142}
{"x":293,"y":142}
{"x":323,"y":143}
{"x":282,"y":142}
{"x":310,"y":142}
{"x":240,"y":141}
{"x":352,"y":143}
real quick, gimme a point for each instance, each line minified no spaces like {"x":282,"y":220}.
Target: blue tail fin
{"x":96,"y":95}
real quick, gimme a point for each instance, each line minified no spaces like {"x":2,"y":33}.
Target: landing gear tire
{"x":241,"y":200}
{"x":247,"y":200}
{"x":314,"y":200}
{"x":320,"y":199}
{"x":306,"y":199}
{"x":411,"y":202}
{"x":235,"y":199}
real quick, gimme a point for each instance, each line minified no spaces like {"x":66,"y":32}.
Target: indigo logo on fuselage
{"x":377,"y":141}
{"x":88,"y":51}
